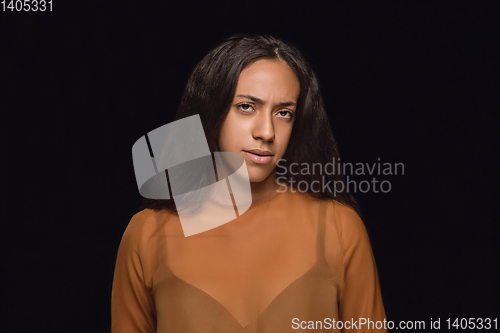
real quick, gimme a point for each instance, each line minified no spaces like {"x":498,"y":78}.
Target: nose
{"x":263,"y":127}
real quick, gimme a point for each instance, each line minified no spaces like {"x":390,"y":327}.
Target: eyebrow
{"x":258,"y":100}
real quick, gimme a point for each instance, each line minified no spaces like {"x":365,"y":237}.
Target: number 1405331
{"x":26,"y":5}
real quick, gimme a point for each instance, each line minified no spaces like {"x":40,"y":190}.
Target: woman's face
{"x":260,"y":120}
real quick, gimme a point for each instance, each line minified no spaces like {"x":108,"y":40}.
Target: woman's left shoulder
{"x":347,"y":221}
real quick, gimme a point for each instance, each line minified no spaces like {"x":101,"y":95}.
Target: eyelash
{"x":246,"y":104}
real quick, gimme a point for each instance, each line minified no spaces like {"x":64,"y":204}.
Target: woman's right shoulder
{"x":145,"y":223}
{"x":141,"y":218}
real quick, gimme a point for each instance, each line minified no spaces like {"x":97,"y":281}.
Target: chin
{"x":257,"y":176}
{"x":256,"y":179}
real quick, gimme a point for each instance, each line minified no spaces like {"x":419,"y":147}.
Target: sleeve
{"x":132,"y":305}
{"x":360,"y":302}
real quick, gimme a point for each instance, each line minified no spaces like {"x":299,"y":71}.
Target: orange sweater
{"x":290,"y":262}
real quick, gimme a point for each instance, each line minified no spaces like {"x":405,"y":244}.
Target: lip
{"x":259,"y":159}
{"x":260,"y":152}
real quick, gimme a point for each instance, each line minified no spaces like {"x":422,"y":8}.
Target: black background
{"x":410,"y":82}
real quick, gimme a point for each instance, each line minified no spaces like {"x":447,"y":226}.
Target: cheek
{"x":228,"y":134}
{"x":286,"y":133}
{"x":223,"y":139}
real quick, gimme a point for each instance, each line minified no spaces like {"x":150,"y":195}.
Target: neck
{"x":264,"y":188}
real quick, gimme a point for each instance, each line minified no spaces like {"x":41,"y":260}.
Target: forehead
{"x":269,"y":80}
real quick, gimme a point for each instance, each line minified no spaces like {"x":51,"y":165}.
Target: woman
{"x":296,"y":259}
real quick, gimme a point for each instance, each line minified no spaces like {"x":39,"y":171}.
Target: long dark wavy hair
{"x":210,"y":91}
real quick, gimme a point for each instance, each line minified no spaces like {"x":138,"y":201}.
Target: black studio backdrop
{"x":412,"y":83}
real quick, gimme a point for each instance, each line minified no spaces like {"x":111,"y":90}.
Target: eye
{"x":246,"y":107}
{"x":285,"y":114}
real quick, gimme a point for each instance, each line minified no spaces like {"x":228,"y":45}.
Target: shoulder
{"x":142,"y":226}
{"x":349,"y":226}
{"x":139,"y":221}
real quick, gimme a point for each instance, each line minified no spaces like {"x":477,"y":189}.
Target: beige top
{"x":289,"y":262}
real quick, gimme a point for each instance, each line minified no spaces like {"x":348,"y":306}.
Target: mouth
{"x":257,"y":154}
{"x":260,"y":157}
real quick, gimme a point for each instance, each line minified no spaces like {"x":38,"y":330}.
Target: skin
{"x":261,"y":124}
